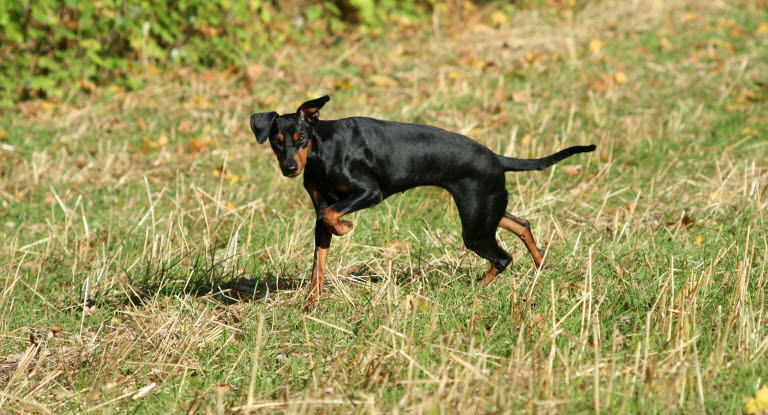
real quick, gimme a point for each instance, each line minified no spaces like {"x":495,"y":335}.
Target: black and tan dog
{"x":354,"y":163}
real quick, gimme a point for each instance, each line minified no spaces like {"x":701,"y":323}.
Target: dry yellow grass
{"x":146,"y":272}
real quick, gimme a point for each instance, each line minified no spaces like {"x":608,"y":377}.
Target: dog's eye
{"x":302,"y":138}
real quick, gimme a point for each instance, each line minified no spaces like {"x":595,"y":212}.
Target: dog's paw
{"x":341,"y":227}
{"x":311,"y":303}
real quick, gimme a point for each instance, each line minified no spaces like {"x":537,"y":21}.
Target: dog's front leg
{"x":322,"y":243}
{"x":354,"y":202}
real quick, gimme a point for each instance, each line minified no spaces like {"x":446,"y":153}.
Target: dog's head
{"x":290,"y":135}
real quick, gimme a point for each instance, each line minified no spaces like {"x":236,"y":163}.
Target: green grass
{"x":143,"y":277}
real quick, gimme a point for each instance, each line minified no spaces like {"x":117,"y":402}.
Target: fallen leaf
{"x":197,"y":145}
{"x":746,"y":96}
{"x":394,"y":249}
{"x":595,"y":45}
{"x":85,"y":85}
{"x":382,"y":80}
{"x":59,"y":394}
{"x":684,"y":222}
{"x":198,"y":102}
{"x":185,"y":126}
{"x":619,"y":270}
{"x":148,"y":144}
{"x":748,"y":131}
{"x":417,"y":303}
{"x":698,"y":240}
{"x":620,"y":78}
{"x":228,"y":175}
{"x":521,"y":96}
{"x":758,"y":404}
{"x":11,"y":358}
{"x":344,"y":84}
{"x":499,"y":18}
{"x":721,"y":44}
{"x":737,"y":31}
{"x":688,"y":17}
{"x":526,"y":139}
{"x":479,"y":63}
{"x":597,"y":85}
{"x":664,"y":43}
{"x":54,"y":332}
{"x":496,"y":109}
{"x":269,"y":101}
{"x":355,"y":270}
{"x":253,"y":72}
{"x":537,"y":320}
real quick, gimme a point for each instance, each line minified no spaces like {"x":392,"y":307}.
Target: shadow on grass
{"x":199,"y":275}
{"x":228,"y":281}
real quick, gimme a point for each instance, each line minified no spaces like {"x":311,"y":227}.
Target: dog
{"x":354,"y":163}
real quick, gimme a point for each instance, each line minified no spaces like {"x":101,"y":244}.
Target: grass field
{"x":154,"y":260}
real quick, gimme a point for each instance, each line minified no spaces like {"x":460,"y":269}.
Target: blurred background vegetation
{"x":49,"y":47}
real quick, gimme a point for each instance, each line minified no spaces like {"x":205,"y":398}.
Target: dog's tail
{"x":513,"y":164}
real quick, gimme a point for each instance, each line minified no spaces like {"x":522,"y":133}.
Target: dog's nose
{"x":291,"y":168}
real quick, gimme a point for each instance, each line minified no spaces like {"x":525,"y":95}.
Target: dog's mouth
{"x":293,"y":175}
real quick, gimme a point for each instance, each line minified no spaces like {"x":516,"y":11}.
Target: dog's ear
{"x":310,"y":110}
{"x":260,"y":125}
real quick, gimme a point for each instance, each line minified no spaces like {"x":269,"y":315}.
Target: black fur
{"x":355,"y":163}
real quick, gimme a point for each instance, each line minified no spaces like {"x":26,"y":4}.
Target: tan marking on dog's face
{"x":301,"y":156}
{"x":280,"y":154}
{"x":290,"y":146}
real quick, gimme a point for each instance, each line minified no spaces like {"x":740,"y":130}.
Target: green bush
{"x":49,"y":46}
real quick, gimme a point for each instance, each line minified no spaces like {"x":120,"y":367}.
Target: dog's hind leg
{"x":481,"y":207}
{"x":522,"y":229}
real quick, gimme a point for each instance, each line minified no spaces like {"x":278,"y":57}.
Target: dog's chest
{"x":327,"y":181}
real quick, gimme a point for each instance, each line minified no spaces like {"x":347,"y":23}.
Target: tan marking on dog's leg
{"x":318,"y":277}
{"x":491,"y":275}
{"x":521,"y":228}
{"x":332,"y":220}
